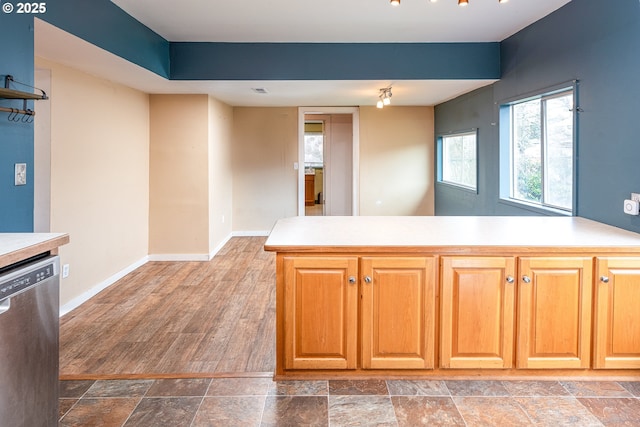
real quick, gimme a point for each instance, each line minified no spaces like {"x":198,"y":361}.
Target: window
{"x":313,"y":144}
{"x":458,"y":160}
{"x":313,"y":150}
{"x":541,"y":150}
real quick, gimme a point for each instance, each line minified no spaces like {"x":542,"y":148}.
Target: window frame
{"x":507,"y":153}
{"x":440,"y":159}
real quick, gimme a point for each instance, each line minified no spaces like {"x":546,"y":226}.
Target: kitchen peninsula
{"x":455,"y":296}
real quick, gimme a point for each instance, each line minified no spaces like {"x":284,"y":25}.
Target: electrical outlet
{"x":635,"y":196}
{"x":65,"y":271}
{"x":20,"y":174}
{"x":631,"y":207}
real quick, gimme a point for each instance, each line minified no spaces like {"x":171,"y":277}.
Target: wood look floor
{"x":178,"y":319}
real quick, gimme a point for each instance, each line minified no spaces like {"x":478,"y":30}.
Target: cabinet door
{"x":321,"y":309}
{"x":554,"y":322}
{"x":477,"y":313}
{"x":398,"y":312}
{"x":617,"y":313}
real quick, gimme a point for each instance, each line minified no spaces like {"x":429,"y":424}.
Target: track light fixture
{"x":384,"y":98}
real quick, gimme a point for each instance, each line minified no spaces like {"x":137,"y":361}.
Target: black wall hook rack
{"x":24,"y":115}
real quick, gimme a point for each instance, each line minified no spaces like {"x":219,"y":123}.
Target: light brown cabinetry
{"x":397,"y":324}
{"x":617,"y":313}
{"x":477,"y":312}
{"x":455,"y":297}
{"x":309,"y":190}
{"x":554,"y":312}
{"x":398,"y":312}
{"x":320,"y":309}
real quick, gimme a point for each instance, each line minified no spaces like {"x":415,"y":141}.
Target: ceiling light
{"x":395,"y":2}
{"x":384,"y":97}
{"x":463,"y":2}
{"x":502,"y":1}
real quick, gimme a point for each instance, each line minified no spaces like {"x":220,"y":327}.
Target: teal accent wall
{"x":16,"y":139}
{"x":595,"y":42}
{"x":102,"y":23}
{"x":334,"y":61}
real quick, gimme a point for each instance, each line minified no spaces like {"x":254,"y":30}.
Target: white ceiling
{"x":300,"y":21}
{"x":336,"y":20}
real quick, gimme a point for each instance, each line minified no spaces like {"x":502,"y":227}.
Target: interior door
{"x":338,"y":165}
{"x":340,"y":170}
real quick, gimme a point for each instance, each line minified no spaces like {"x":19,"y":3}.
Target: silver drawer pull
{"x":510,"y":279}
{"x":604,"y":279}
{"x":367,"y":279}
{"x":526,"y":279}
{"x":352,"y":279}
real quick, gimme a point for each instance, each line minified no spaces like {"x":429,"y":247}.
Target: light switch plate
{"x":20,"y":174}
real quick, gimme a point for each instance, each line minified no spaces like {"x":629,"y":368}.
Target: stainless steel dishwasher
{"x":29,"y":342}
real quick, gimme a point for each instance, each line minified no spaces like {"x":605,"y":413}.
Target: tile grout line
{"x":75,"y":403}
{"x":195,"y":414}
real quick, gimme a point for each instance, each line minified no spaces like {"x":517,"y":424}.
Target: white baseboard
{"x":220,"y":246}
{"x":190,"y":257}
{"x":84,"y":297}
{"x":179,"y":257}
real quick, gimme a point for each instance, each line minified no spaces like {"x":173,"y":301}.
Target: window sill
{"x":543,"y":210}
{"x":457,"y":187}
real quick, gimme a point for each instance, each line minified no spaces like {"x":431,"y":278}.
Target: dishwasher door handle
{"x":5,"y":305}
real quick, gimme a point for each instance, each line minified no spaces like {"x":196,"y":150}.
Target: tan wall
{"x":220,"y":182}
{"x":396,"y":161}
{"x":179,"y":174}
{"x":99,"y":175}
{"x":265,"y":147}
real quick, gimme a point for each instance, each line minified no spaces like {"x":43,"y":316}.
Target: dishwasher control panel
{"x":12,"y":284}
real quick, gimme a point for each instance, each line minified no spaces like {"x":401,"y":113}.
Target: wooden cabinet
{"x":321,"y":312}
{"x":554,"y":312}
{"x":320,"y":309}
{"x":617,"y":313}
{"x":455,"y":297}
{"x":398,"y":312}
{"x":553,"y":309}
{"x":309,"y":190}
{"x":477,"y":312}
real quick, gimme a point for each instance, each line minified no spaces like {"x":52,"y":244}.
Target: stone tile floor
{"x":262,"y":402}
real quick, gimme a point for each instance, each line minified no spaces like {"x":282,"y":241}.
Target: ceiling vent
{"x":260,"y":90}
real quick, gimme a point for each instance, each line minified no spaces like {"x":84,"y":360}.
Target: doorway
{"x":328,"y":161}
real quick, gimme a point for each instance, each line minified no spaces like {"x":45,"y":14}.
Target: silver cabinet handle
{"x":352,"y":279}
{"x":526,"y":279}
{"x":367,"y":279}
{"x":604,"y":279}
{"x":510,"y":279}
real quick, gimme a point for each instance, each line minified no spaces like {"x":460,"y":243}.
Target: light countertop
{"x":15,"y":247}
{"x":447,"y":232}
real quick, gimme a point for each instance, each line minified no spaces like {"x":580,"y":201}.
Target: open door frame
{"x":355,"y":113}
